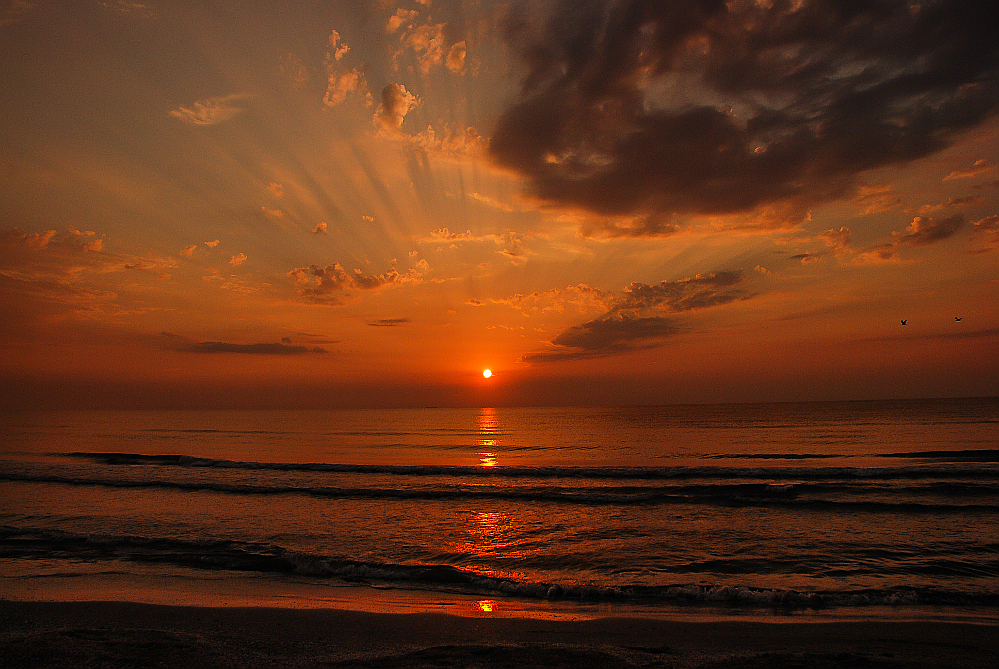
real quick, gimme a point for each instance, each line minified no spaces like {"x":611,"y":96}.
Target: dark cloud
{"x":388,"y":322}
{"x":604,"y":336}
{"x":646,"y":109}
{"x":637,"y":320}
{"x":925,"y":230}
{"x":183,"y":344}
{"x":396,"y":103}
{"x":683,"y":295}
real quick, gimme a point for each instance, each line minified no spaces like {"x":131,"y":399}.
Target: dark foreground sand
{"x":115,"y":634}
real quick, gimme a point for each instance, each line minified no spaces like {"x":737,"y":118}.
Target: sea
{"x":790,"y":510}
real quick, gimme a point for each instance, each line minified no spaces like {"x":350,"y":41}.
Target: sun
{"x":487,"y":373}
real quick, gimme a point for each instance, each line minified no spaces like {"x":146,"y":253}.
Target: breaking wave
{"x":230,"y":555}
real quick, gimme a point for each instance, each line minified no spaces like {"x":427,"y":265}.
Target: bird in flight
{"x":903,"y":321}
{"x":957,"y":318}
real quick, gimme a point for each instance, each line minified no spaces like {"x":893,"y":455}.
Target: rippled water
{"x":789,"y":506}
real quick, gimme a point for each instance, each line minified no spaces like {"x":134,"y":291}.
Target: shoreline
{"x":188,"y":587}
{"x":123,"y":634}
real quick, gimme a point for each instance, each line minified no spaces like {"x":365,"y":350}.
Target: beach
{"x":120,"y":634}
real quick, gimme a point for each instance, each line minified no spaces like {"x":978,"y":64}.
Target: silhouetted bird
{"x":957,"y":318}
{"x":903,"y":322}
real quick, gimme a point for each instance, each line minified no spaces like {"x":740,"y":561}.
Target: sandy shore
{"x":116,"y":634}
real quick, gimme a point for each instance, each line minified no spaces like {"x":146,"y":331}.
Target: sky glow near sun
{"x":285,"y":204}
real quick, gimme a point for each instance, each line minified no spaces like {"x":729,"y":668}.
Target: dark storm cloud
{"x":647,"y":109}
{"x":637,"y":319}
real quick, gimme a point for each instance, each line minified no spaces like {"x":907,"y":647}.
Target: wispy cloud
{"x":980,"y":167}
{"x":15,"y":11}
{"x":140,"y":9}
{"x":185,"y":345}
{"x":388,"y":322}
{"x":211,"y":111}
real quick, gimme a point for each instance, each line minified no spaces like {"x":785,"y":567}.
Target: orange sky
{"x":348,"y":203}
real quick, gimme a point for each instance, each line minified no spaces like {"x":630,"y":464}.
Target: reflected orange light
{"x":487,"y":605}
{"x":487,"y":426}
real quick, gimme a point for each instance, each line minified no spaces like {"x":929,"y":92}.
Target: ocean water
{"x":791,"y":509}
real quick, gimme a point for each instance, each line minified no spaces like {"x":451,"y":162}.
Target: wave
{"x":964,"y":470}
{"x":732,"y":495}
{"x":972,"y":455}
{"x":231,"y":555}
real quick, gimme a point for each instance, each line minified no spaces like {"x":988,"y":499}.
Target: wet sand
{"x":117,"y":634}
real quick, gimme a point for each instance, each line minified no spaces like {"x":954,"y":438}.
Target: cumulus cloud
{"x":326,"y":285}
{"x":651,"y":109}
{"x":925,"y":230}
{"x":238,"y":260}
{"x":188,"y":251}
{"x":342,"y":81}
{"x":339,"y":49}
{"x":456,"y":57}
{"x":641,"y":317}
{"x":427,"y":43}
{"x":342,"y":84}
{"x":211,"y":110}
{"x":321,"y":228}
{"x":399,"y":19}
{"x":395,"y":104}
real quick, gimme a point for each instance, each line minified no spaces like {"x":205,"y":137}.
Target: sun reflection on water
{"x":488,"y":427}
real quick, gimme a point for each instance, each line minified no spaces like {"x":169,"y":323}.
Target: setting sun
{"x":487,"y":373}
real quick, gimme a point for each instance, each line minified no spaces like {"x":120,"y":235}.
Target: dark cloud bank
{"x":648,"y":109}
{"x":182,"y":344}
{"x":639,"y":318}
